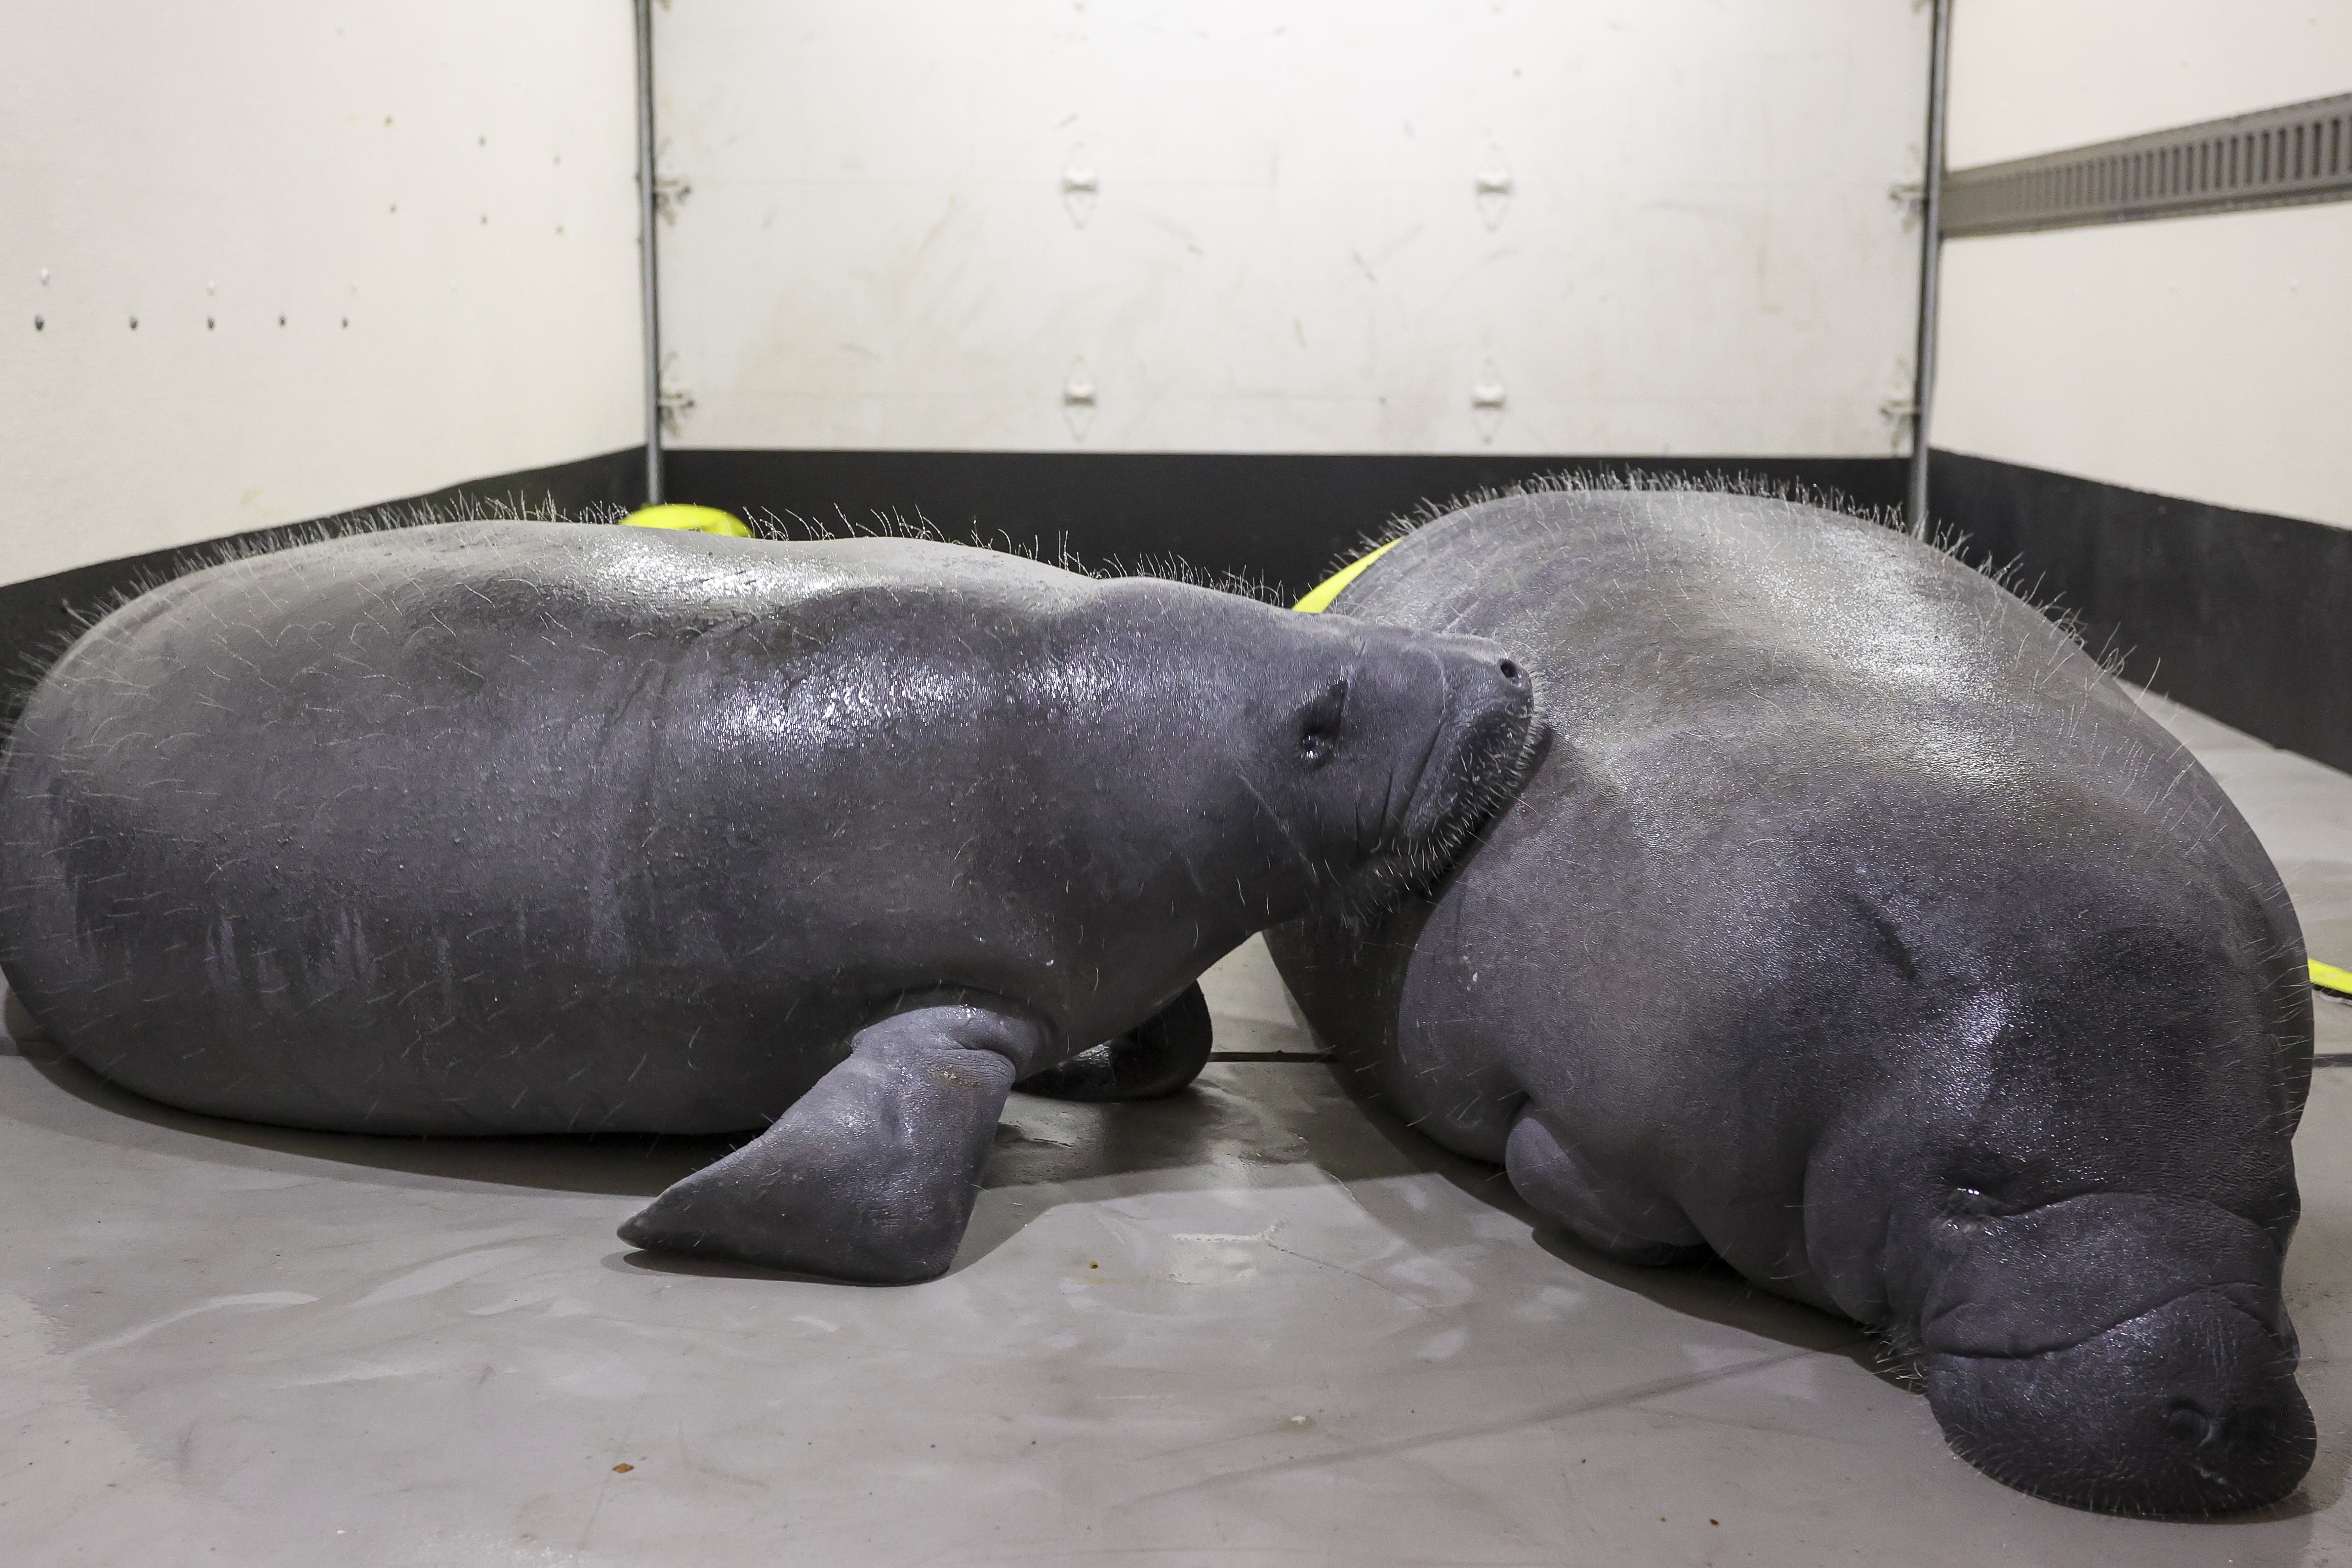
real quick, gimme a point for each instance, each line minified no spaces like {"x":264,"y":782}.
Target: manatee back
{"x":517,"y":826}
{"x":1669,"y":612}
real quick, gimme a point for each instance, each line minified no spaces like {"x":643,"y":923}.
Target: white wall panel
{"x":2199,"y":357}
{"x":2035,"y":76}
{"x":436,"y":197}
{"x":1287,"y":251}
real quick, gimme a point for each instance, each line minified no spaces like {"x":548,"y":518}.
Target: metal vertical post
{"x":648,"y":209}
{"x":1931,"y":255}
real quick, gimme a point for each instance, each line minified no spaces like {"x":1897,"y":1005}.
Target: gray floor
{"x":1255,"y":1325}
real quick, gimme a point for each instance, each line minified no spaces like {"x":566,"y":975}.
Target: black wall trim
{"x":1279,"y":517}
{"x":39,"y":616}
{"x":2240,"y":615}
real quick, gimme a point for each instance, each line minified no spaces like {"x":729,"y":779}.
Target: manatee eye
{"x":1318,"y":724}
{"x":1967,"y":1203}
{"x":1968,"y":1215}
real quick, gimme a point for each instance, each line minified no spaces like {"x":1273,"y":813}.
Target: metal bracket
{"x":1080,"y":186}
{"x":1488,"y":400}
{"x":1078,"y":400}
{"x":675,"y":402}
{"x":1492,"y":189}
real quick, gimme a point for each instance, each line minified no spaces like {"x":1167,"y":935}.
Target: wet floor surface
{"x":1255,"y":1324}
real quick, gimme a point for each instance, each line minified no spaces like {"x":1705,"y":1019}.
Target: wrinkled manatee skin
{"x":1856,"y":927}
{"x":514,"y":826}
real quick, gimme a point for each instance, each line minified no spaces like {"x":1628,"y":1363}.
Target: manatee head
{"x":2095,"y":1263}
{"x":2072,"y":1203}
{"x":2120,"y":1353}
{"x":1344,"y":761}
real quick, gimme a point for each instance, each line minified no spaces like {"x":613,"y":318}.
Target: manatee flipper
{"x":872,"y":1174}
{"x":1158,"y":1056}
{"x":1630,"y":1226}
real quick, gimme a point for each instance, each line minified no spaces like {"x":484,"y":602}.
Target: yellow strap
{"x":693,"y":519}
{"x":2328,"y":977}
{"x":1319,"y":598}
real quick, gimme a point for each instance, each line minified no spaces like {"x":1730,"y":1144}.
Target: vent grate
{"x":2296,"y":154}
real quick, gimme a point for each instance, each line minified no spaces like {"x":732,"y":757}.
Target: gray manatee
{"x":518,"y":827}
{"x":1856,"y":927}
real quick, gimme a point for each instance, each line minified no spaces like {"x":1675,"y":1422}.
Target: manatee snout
{"x":2128,"y":1355}
{"x":2190,"y":1409}
{"x":1482,"y":750}
{"x":1472,"y":703}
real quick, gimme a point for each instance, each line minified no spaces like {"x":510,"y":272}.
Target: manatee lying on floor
{"x":1856,"y":926}
{"x":538,"y":827}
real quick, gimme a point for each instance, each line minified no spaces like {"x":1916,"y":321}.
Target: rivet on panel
{"x":1487,"y":400}
{"x":1494,"y":190}
{"x":1078,"y":400}
{"x":1080,"y":186}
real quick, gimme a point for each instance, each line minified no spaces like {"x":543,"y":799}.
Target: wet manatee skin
{"x":516,"y":827}
{"x":536,"y":826}
{"x":1856,"y":927}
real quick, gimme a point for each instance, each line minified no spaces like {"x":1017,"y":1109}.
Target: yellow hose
{"x":1319,"y":598}
{"x":693,"y":519}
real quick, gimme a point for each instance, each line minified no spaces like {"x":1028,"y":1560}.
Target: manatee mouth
{"x":2189,"y":1409}
{"x":1476,"y":763}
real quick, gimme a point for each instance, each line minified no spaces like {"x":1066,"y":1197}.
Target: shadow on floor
{"x":1039,"y":1142}
{"x":1262,"y":1124}
{"x":1711,"y":1290}
{"x":621,"y":1165}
